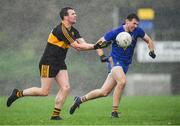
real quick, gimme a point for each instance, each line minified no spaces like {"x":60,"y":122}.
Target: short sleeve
{"x":112,"y":34}
{"x":141,"y":32}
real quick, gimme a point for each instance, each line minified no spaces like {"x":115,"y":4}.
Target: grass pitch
{"x":136,"y":110}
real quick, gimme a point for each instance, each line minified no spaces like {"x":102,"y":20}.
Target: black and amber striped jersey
{"x":62,"y":37}
{"x":58,"y":43}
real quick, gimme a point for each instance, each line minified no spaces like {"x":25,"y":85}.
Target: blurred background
{"x":26,"y":24}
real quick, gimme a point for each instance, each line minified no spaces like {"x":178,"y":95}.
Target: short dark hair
{"x":64,"y":12}
{"x":132,"y":16}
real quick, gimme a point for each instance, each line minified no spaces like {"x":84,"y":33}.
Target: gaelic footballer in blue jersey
{"x":118,"y":63}
{"x":120,"y":56}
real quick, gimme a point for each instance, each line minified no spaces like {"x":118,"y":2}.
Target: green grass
{"x":156,"y":110}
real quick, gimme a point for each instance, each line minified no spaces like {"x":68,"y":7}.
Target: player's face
{"x":131,"y":25}
{"x":71,"y":16}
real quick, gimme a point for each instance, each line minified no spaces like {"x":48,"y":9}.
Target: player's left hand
{"x":104,"y":58}
{"x":152,"y":54}
{"x":102,"y":44}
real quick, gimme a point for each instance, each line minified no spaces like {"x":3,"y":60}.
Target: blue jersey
{"x":118,"y":53}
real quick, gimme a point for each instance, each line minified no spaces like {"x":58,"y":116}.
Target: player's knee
{"x":123,"y":82}
{"x":66,"y":88}
{"x":104,"y":93}
{"x":45,"y":92}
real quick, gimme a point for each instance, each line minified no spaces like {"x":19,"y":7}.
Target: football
{"x":123,"y":39}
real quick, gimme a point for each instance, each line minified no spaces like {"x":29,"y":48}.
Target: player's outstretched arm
{"x":150,"y":43}
{"x":81,"y":45}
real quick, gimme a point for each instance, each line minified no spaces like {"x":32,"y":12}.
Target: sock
{"x":83,"y":99}
{"x":19,"y":94}
{"x":114,"y":108}
{"x":56,"y":112}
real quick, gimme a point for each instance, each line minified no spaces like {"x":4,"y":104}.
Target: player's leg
{"x":102,"y":92}
{"x":97,"y":93}
{"x":47,"y":75}
{"x":62,"y":80}
{"x":34,"y":91}
{"x":120,"y":77}
{"x":44,"y":90}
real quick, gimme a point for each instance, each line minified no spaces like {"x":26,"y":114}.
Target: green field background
{"x":136,"y":110}
{"x":25,"y":26}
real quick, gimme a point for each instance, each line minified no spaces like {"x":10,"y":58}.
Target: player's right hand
{"x":102,"y":44}
{"x":104,"y":58}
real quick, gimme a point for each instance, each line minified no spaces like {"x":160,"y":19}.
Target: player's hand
{"x":152,"y":54}
{"x":102,"y":44}
{"x":104,"y":58}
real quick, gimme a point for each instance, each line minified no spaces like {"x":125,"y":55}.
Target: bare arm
{"x":149,"y":41}
{"x":81,"y":45}
{"x":150,"y":44}
{"x":100,"y":52}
